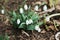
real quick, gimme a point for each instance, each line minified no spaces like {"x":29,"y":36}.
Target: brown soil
{"x":17,"y":34}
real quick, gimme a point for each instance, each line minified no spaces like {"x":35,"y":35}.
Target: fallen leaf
{"x":52,"y":27}
{"x":43,"y":31}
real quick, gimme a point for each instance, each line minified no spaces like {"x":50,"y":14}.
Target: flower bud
{"x":21,"y":10}
{"x":45,"y":7}
{"x":25,"y":7}
{"x":30,"y":21}
{"x":18,"y":21}
{"x":36,"y":8}
{"x":2,"y":11}
{"x":27,"y":22}
{"x":37,"y":28}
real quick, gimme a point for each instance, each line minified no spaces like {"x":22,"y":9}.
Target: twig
{"x":49,"y":10}
{"x":48,"y":17}
{"x":25,"y":33}
{"x":37,"y":3}
{"x":57,"y":35}
{"x":58,"y":22}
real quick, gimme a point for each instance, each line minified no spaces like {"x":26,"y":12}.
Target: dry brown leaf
{"x":57,"y":7}
{"x":52,"y":27}
{"x":6,"y":22}
{"x":43,"y":31}
{"x":38,"y":2}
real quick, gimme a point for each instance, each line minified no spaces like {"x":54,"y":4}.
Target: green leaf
{"x":12,"y":20}
{"x":30,"y":27}
{"x":23,"y":17}
{"x":30,"y":13}
{"x":35,"y":17}
{"x":22,"y":25}
{"x":14,"y":14}
{"x":1,"y":37}
{"x":40,"y":23}
{"x":6,"y":37}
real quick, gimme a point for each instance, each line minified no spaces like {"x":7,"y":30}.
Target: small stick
{"x":44,"y":12}
{"x":48,"y":17}
{"x":25,"y":33}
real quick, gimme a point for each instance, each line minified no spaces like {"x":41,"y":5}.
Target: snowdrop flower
{"x":2,"y":11}
{"x":37,"y":28}
{"x":21,"y":10}
{"x":27,"y":22}
{"x":47,"y":18}
{"x":45,"y":7}
{"x":18,"y":21}
{"x":56,"y":36}
{"x":25,"y":7}
{"x":30,"y":21}
{"x":36,"y":8}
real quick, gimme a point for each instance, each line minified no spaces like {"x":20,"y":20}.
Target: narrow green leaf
{"x":14,"y":14}
{"x":22,"y":25}
{"x":30,"y":27}
{"x":1,"y":37}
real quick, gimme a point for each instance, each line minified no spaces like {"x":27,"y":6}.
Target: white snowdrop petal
{"x":36,"y":8}
{"x":36,"y":27}
{"x":30,"y":21}
{"x":47,"y":18}
{"x":45,"y":7}
{"x":27,"y":22}
{"x":2,"y":11}
{"x":39,"y":30}
{"x":35,"y":12}
{"x":25,"y":7}
{"x":21,"y":10}
{"x":56,"y":36}
{"x":18,"y":21}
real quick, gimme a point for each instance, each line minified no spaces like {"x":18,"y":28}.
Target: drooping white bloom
{"x":45,"y":7}
{"x":47,"y":18}
{"x":30,"y":21}
{"x":27,"y":22}
{"x":18,"y":21}
{"x":21,"y":10}
{"x":2,"y":11}
{"x":35,"y":12}
{"x":56,"y":36}
{"x":25,"y":7}
{"x":37,"y":28}
{"x":36,"y":8}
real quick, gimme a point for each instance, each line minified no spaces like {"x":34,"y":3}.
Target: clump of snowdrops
{"x":26,"y":19}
